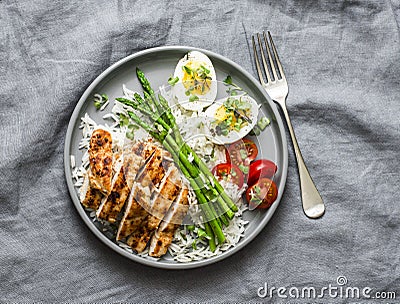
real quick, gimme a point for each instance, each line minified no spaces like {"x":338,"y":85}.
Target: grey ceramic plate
{"x":158,"y":64}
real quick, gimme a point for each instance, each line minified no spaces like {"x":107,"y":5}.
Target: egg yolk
{"x":222,"y":115}
{"x":196,"y":81}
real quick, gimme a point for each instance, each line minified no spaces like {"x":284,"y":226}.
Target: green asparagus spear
{"x":211,"y":240}
{"x":145,"y":111}
{"x":216,"y":228}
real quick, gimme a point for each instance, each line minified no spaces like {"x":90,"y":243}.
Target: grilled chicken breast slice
{"x":134,"y":213}
{"x":139,"y":201}
{"x":164,"y":235}
{"x":153,"y":172}
{"x":159,"y":206}
{"x":112,"y":205}
{"x":143,"y":150}
{"x":101,"y":159}
{"x":128,"y":166}
{"x":89,"y":197}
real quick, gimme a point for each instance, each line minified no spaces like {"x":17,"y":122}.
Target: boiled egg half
{"x":196,"y":86}
{"x":231,"y":118}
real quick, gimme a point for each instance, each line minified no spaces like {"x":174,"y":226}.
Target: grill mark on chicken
{"x":101,"y":160}
{"x":153,"y":172}
{"x":164,"y":235}
{"x":134,"y":214}
{"x":169,"y":190}
{"x":113,"y":204}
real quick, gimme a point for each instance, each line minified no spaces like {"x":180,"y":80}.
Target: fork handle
{"x":313,"y":205}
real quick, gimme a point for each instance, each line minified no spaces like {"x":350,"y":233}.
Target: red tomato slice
{"x":242,"y":152}
{"x":229,"y":172}
{"x":259,"y":169}
{"x":262,"y":194}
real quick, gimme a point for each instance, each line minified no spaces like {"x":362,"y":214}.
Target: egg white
{"x":233,"y":135}
{"x":194,"y":58}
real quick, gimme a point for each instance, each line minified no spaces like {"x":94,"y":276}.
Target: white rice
{"x":104,"y":105}
{"x":181,"y":248}
{"x":73,"y":161}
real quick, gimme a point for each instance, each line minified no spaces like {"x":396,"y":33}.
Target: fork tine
{"x":276,"y":57}
{"x":270,"y":57}
{"x":263,"y":58}
{"x":260,"y":75}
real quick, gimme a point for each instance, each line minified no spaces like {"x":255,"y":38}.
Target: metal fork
{"x":277,"y":88}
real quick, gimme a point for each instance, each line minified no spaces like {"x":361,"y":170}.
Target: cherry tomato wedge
{"x":262,"y":194}
{"x":242,"y":152}
{"x":259,"y":169}
{"x":229,"y":172}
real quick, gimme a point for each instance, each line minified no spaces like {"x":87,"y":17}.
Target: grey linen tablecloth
{"x":342,"y":62}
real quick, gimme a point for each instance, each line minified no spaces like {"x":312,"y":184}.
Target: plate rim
{"x":134,"y":257}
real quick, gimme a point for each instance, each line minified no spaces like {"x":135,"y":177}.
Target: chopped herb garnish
{"x":123,"y":120}
{"x":237,"y":127}
{"x":233,"y":88}
{"x":130,"y":135}
{"x":255,"y":201}
{"x":100,"y":100}
{"x":187,"y":70}
{"x":255,"y":198}
{"x":243,"y":153}
{"x":205,"y":70}
{"x":201,"y":233}
{"x":173,"y":80}
{"x":225,"y":132}
{"x":190,"y":227}
{"x":193,"y":98}
{"x":244,"y":169}
{"x":260,"y":126}
{"x":263,"y":123}
{"x":228,"y":79}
